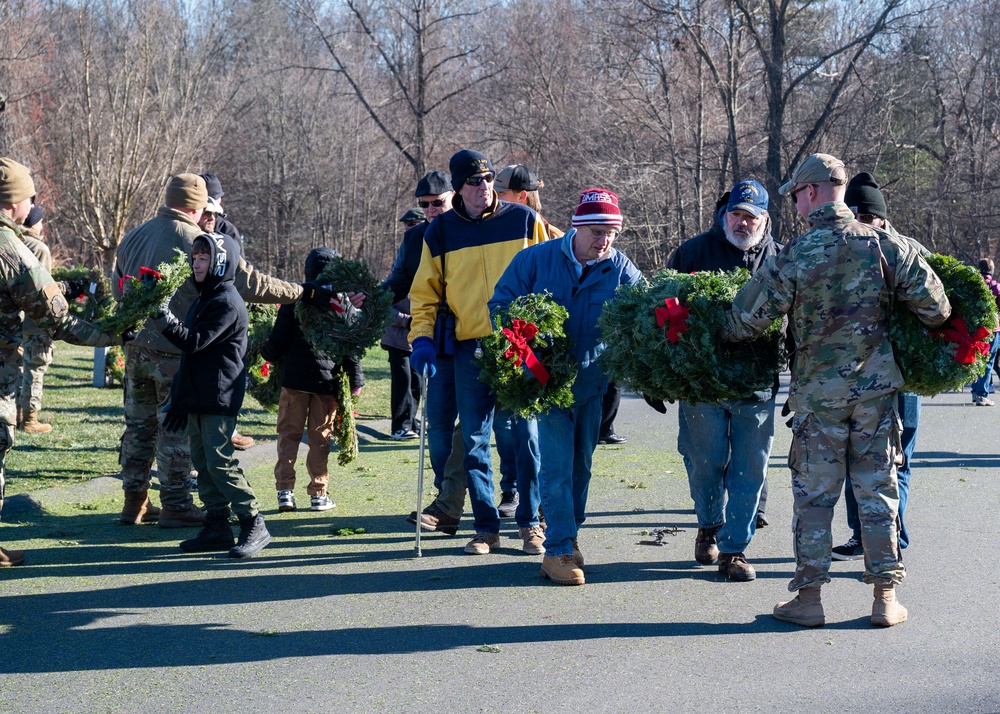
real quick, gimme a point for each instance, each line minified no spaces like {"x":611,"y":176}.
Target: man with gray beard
{"x":726,"y":446}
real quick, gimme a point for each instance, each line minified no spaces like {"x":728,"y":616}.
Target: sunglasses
{"x":794,"y":194}
{"x":868,"y":218}
{"x":427,"y":204}
{"x":477,"y":180}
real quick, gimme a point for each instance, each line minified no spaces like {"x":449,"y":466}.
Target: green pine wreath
{"x":98,"y":302}
{"x":143,"y":295}
{"x":263,"y":377}
{"x":697,"y":367}
{"x":926,"y":360}
{"x":114,"y":366}
{"x":518,"y":390}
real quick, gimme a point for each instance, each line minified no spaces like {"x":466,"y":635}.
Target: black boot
{"x":253,"y":537}
{"x":215,"y":535}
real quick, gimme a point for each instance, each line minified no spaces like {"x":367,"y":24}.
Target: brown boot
{"x":242,"y":443}
{"x":706,"y":551}
{"x":31,"y":425}
{"x":804,"y":609}
{"x":887,"y":610}
{"x":735,"y":567}
{"x":189,"y":517}
{"x":433,"y":518}
{"x":138,"y":509}
{"x":10,"y":557}
{"x":562,"y":570}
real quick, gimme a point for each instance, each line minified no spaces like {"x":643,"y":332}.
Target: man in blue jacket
{"x":582,"y":271}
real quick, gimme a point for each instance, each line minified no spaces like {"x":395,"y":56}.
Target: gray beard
{"x":745,"y":243}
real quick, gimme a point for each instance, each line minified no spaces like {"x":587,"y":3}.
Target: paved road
{"x":361,"y":626}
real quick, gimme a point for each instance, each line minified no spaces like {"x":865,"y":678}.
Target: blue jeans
{"x":909,"y":414}
{"x":981,"y":387}
{"x":726,"y":447}
{"x":456,"y":391}
{"x":524,"y":439}
{"x":506,"y":443}
{"x":566,"y":439}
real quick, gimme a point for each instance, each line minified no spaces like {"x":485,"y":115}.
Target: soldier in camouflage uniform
{"x":151,"y":360}
{"x":36,"y":344}
{"x":835,"y":282}
{"x":26,"y":286}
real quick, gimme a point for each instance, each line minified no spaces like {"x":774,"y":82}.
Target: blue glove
{"x":173,"y":421}
{"x":424,"y":355}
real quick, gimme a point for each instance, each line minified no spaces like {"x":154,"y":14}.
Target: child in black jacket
{"x":207,"y":394}
{"x":308,"y":386}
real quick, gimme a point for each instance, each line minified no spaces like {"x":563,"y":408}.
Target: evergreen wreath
{"x":98,"y":302}
{"x":345,"y":431}
{"x":670,"y":355}
{"x":114,"y":366}
{"x":532,"y":327}
{"x":264,"y":378}
{"x":142,"y":296}
{"x":329,"y":335}
{"x":930,"y":363}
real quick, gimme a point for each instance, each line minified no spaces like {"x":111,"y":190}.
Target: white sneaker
{"x":321,"y":503}
{"x":286,"y":501}
{"x":983,"y":402}
{"x":404,"y":435}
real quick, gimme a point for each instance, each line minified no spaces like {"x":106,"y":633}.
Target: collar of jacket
{"x":7,"y":222}
{"x":567,"y":250}
{"x":831,"y":212}
{"x":175,"y":215}
{"x":458,"y":205}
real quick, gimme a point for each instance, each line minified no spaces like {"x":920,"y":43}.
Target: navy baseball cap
{"x":749,"y":196}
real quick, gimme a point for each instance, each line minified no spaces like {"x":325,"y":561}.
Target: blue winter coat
{"x":550,"y":267}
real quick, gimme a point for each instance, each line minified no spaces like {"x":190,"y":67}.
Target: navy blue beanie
{"x":467,"y":163}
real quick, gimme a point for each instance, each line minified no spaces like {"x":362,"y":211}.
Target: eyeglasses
{"x":477,"y":180}
{"x":794,"y":193}
{"x":427,"y":204}
{"x":868,"y":218}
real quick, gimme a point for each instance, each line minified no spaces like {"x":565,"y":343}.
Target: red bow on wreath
{"x":968,"y":345}
{"x":674,"y":318}
{"x":145,"y":272}
{"x":121,"y":282}
{"x":520,"y":333}
{"x":265,"y":369}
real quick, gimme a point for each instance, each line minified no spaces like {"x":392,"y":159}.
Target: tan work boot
{"x":31,"y":425}
{"x":138,"y":509}
{"x":534,"y":538}
{"x":10,"y":557}
{"x":706,"y":550}
{"x":189,"y":517}
{"x":242,"y":443}
{"x":887,"y":610}
{"x":562,"y":570}
{"x":482,"y":544}
{"x":804,"y":609}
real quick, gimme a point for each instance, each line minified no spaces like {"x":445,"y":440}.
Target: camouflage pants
{"x":35,"y":361}
{"x":148,"y":375}
{"x":863,"y":438}
{"x":6,"y":442}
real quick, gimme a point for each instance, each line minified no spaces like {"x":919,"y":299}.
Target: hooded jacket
{"x":213,"y":339}
{"x":711,"y":251}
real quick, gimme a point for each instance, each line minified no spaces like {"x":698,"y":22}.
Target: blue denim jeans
{"x":456,"y":391}
{"x":566,"y":440}
{"x":524,"y":438}
{"x":726,"y":447}
{"x":506,"y":443}
{"x":909,"y":414}
{"x":981,"y":387}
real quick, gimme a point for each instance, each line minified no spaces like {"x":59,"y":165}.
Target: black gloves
{"x":316,"y":295}
{"x":73,"y":289}
{"x":173,"y":421}
{"x":657,"y":404}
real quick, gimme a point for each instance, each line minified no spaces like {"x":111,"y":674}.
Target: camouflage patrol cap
{"x":817,"y":168}
{"x":15,"y":181}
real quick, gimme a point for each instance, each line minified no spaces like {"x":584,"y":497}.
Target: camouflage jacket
{"x":44,"y":255}
{"x":26,"y":286}
{"x":155,"y":241}
{"x":836,"y":283}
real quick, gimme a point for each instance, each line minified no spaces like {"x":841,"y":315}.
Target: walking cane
{"x":420,"y":461}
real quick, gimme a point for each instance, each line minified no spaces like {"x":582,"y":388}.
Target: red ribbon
{"x":265,"y":369}
{"x":121,"y":282}
{"x":145,"y":272}
{"x":674,"y":318}
{"x":968,"y":345}
{"x":520,"y":334}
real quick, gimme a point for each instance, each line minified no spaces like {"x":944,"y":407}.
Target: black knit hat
{"x":467,"y":163}
{"x":863,"y":195}
{"x":34,"y":216}
{"x":214,"y":186}
{"x":433,"y":184}
{"x":318,"y":259}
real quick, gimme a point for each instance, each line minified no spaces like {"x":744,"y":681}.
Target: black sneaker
{"x":253,"y":537}
{"x":508,"y":504}
{"x":851,"y":550}
{"x":612,"y":439}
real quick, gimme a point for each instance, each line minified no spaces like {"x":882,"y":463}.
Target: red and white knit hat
{"x":598,"y":206}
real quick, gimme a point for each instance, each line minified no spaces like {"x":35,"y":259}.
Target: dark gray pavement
{"x":359,"y":625}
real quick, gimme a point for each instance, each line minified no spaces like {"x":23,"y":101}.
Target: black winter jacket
{"x":213,"y":340}
{"x":404,"y":267}
{"x":711,"y":251}
{"x":303,"y":371}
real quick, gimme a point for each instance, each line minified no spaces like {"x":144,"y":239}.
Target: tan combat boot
{"x":805,"y":609}
{"x":138,"y":509}
{"x":562,"y":570}
{"x":10,"y":557}
{"x":31,"y":425}
{"x":189,"y":517}
{"x":887,"y":610}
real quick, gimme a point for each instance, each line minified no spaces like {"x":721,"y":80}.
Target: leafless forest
{"x":320,"y":116}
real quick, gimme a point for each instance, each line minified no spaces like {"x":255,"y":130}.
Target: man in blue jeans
{"x":465,"y":251}
{"x":726,"y":446}
{"x":581,"y":270}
